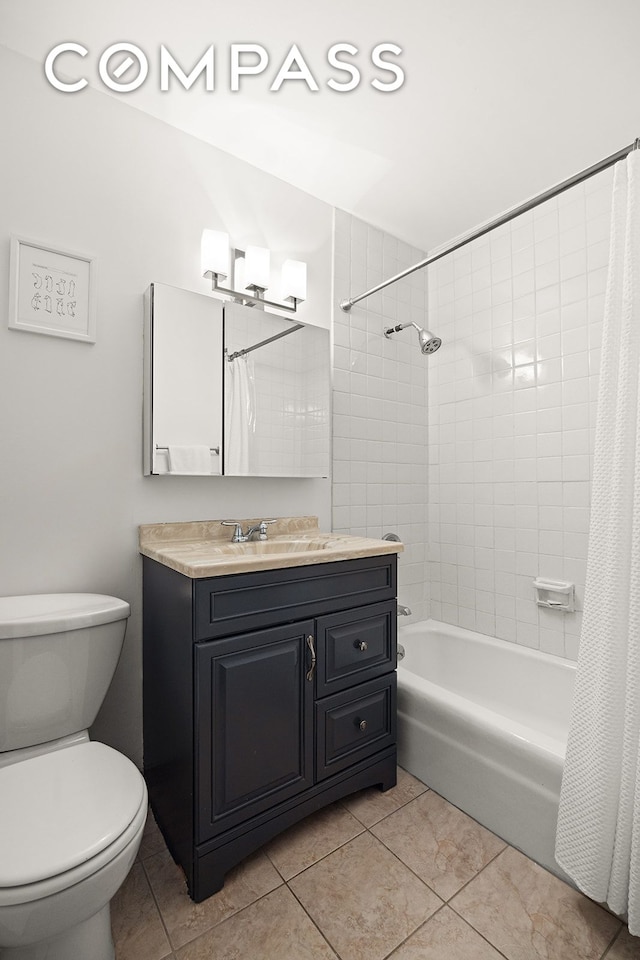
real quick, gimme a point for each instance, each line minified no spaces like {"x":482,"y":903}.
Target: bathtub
{"x":484,"y":722}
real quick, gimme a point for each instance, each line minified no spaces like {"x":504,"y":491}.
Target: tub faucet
{"x":403,"y":611}
{"x":240,"y":537}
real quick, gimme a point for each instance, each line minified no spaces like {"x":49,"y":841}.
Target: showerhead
{"x":428,"y":342}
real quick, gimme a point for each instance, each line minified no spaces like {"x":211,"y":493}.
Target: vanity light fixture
{"x":219,"y":261}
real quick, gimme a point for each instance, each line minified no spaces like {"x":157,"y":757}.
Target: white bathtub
{"x":484,"y":723}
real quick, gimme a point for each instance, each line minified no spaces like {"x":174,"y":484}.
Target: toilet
{"x":72,"y":810}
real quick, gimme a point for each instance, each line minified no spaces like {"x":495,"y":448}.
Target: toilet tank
{"x":58,"y":653}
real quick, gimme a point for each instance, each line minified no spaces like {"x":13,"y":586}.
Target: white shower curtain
{"x":598,"y":839}
{"x":239,"y":414}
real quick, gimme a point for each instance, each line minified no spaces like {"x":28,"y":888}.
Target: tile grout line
{"x":420,"y":925}
{"x":468,"y":922}
{"x":447,"y":903}
{"x":320,"y":859}
{"x":307,"y":914}
{"x":616,"y":936}
{"x":478,"y":933}
{"x":443,"y":903}
{"x":365,"y":829}
{"x":470,"y":880}
{"x":155,"y":900}
{"x":387,"y":815}
{"x":507,"y":846}
{"x":413,"y":932}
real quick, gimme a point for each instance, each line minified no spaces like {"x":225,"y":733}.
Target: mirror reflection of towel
{"x":189,"y":461}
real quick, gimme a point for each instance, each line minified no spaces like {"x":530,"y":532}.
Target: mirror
{"x":233,"y":390}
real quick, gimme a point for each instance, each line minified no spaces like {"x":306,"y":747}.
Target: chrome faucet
{"x":403,"y":611}
{"x":240,"y":537}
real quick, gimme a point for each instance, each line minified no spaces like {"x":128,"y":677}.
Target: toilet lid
{"x":44,"y":613}
{"x":63,"y":808}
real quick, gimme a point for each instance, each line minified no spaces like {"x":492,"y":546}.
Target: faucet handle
{"x":262,"y":528}
{"x":237,"y":533}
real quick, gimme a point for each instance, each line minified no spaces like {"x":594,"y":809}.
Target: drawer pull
{"x":361,"y":645}
{"x":312,"y":650}
{"x":362,"y":725}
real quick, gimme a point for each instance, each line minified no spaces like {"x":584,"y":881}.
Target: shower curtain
{"x":598,"y":839}
{"x":239,"y":414}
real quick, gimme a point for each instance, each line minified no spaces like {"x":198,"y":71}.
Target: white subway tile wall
{"x":512,"y":400}
{"x":380,"y":401}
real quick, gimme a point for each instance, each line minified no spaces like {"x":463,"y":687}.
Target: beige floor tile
{"x":445,"y":937}
{"x":274,"y":928}
{"x":152,"y":840}
{"x":312,"y":839}
{"x":363,"y":899}
{"x":137,"y":929}
{"x":371,"y":805}
{"x":185,"y":919}
{"x":528,"y":914}
{"x":440,"y":843}
{"x":625,"y":947}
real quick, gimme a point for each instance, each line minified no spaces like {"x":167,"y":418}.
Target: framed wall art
{"x":52,"y":291}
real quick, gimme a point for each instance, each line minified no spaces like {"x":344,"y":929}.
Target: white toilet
{"x":72,"y":811}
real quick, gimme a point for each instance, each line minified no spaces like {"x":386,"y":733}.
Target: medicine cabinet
{"x":251,"y":387}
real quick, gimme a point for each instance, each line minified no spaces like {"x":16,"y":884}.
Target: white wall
{"x":380,"y":401}
{"x":512,"y":398}
{"x":92,"y":174}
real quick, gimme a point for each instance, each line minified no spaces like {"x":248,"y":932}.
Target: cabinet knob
{"x":363,"y":724}
{"x":361,"y":645}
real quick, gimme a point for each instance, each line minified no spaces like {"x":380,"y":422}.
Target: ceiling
{"x":502,"y":98}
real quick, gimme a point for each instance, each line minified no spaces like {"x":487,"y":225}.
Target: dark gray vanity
{"x":267,"y":695}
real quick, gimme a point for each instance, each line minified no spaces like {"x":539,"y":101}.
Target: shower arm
{"x":401,"y":326}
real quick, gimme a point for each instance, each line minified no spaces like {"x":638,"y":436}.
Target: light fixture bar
{"x":247,"y":299}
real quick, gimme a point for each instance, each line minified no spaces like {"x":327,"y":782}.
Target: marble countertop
{"x":203,"y":548}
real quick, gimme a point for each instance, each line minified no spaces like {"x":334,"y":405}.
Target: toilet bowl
{"x":72,"y":811}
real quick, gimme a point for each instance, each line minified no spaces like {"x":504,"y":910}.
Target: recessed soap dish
{"x":555,"y":594}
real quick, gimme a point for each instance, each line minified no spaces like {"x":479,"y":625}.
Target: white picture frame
{"x":52,"y":291}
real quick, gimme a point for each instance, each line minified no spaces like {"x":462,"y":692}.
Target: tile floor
{"x":402,"y":875}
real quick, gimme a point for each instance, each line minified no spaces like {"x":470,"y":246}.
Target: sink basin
{"x":283,"y":545}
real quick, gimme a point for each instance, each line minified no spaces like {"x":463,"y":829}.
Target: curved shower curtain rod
{"x":498,"y":222}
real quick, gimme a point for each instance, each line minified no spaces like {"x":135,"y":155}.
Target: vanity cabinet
{"x":267,"y":696}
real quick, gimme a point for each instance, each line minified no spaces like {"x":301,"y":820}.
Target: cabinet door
{"x":254,"y":724}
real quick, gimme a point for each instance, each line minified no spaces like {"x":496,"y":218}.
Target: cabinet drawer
{"x":250,"y":601}
{"x":355,"y":646}
{"x":354,"y":724}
